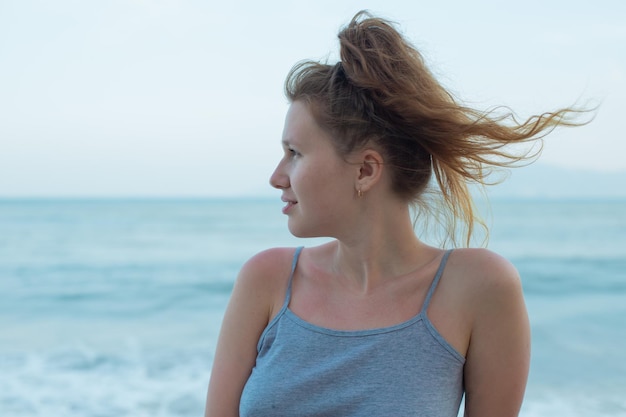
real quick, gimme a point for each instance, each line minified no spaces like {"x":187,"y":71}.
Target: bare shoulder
{"x":483,"y":280}
{"x":481,"y":259}
{"x":264,"y":276}
{"x":267,"y":265}
{"x":482,"y":269}
{"x":478,"y":287}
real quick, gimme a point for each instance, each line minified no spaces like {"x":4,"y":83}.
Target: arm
{"x":252,"y":303}
{"x":498,"y":356}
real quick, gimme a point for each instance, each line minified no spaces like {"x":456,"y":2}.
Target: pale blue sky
{"x":164,"y":97}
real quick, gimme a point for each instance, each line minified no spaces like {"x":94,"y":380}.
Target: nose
{"x":279,"y":178}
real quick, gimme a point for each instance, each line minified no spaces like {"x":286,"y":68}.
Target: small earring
{"x":359,"y":193}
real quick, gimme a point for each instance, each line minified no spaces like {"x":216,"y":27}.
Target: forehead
{"x":301,"y":126}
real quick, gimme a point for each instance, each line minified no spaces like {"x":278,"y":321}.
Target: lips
{"x":289,"y":205}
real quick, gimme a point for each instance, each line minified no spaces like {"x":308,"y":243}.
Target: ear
{"x":370,"y":169}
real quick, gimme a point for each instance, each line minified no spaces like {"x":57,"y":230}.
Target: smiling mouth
{"x":288,"y":206}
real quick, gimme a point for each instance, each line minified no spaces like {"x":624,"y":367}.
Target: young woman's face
{"x":318,"y":185}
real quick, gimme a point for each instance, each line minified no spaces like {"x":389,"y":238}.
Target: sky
{"x":139,"y":98}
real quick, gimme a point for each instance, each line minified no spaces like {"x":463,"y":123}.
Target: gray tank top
{"x":305,"y":370}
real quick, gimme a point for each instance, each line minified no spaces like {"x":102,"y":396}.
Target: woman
{"x":376,"y":322}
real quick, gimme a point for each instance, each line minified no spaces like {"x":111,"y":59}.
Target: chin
{"x":298,"y":233}
{"x":302,"y":232}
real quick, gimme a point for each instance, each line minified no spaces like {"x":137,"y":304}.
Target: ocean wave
{"x":80,"y":381}
{"x":575,"y":404}
{"x":572,"y":275}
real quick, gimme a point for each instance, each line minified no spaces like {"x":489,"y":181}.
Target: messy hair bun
{"x":382,"y":94}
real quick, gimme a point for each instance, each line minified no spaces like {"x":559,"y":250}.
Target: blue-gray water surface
{"x":112,"y":307}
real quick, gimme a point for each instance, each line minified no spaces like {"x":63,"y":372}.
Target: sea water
{"x":113,"y":307}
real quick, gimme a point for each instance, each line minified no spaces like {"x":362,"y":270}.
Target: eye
{"x":292,"y":152}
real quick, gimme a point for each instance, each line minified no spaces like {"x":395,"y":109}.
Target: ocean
{"x":113,"y":307}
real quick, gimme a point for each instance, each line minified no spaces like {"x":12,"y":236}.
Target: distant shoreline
{"x":536,"y":182}
{"x":276,"y":199}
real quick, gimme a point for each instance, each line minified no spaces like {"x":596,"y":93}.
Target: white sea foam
{"x":584,"y":405}
{"x":81,"y":381}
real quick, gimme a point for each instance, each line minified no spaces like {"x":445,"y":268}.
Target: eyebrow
{"x":291,"y":141}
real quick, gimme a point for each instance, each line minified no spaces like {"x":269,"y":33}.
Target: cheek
{"x":321,"y":182}
{"x":333,"y":186}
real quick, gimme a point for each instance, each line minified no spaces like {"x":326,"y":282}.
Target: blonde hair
{"x":382,"y":93}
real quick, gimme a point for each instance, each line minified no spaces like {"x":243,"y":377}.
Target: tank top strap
{"x":294,"y":262}
{"x":438,"y":275}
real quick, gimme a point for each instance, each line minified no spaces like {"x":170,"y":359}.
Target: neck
{"x":383,"y":247}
